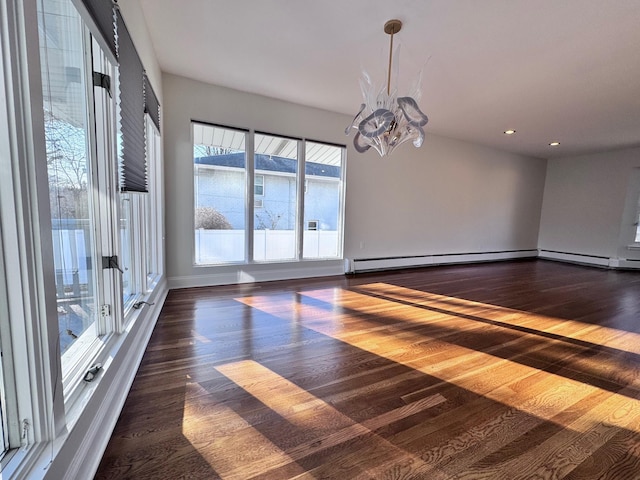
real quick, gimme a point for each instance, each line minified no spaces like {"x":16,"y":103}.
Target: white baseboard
{"x":627,"y":263}
{"x":371,"y":264}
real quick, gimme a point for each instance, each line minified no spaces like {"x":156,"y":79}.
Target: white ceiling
{"x":565,"y":70}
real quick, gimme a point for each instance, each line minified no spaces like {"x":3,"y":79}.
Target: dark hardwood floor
{"x":519,"y":370}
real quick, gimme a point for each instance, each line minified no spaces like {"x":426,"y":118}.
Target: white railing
{"x":216,"y":246}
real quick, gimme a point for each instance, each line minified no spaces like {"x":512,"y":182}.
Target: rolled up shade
{"x":136,"y":94}
{"x":103,"y":14}
{"x":151,"y":105}
{"x":133,"y":159}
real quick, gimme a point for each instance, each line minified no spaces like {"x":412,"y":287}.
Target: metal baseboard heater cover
{"x":388,"y":263}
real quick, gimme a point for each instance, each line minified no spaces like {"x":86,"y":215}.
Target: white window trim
{"x":25,"y":220}
{"x":251,"y":205}
{"x":155,"y":197}
{"x":56,"y":444}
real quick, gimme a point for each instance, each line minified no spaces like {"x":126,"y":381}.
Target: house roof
{"x":269,"y":163}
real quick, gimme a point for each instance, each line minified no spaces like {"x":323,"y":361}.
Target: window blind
{"x":103,"y":14}
{"x":151,"y":105}
{"x":133,"y":165}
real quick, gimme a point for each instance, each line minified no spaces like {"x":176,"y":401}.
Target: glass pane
{"x":151,"y":233}
{"x":219,"y":169}
{"x":4,"y":322}
{"x":323,"y":187}
{"x":276,"y":161}
{"x":125,"y":244}
{"x":69,"y":171}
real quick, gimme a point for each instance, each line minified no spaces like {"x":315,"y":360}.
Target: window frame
{"x":636,"y":239}
{"x":101,"y":131}
{"x":25,"y":225}
{"x":153,"y":229}
{"x":44,"y":413}
{"x":251,"y":202}
{"x":247,"y":187}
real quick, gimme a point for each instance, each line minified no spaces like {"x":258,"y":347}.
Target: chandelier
{"x":385,"y":120}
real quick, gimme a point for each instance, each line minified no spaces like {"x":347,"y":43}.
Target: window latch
{"x":111,"y":262}
{"x":92,"y":372}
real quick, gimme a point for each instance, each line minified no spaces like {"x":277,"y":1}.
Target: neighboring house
{"x":220,"y":183}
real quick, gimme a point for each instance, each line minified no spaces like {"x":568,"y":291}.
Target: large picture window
{"x":293,"y":184}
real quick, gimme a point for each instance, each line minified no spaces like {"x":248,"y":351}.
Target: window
{"x":4,"y":321}
{"x":154,"y":232}
{"x":323,"y":201}
{"x":72,"y":171}
{"x":288,"y":222}
{"x":220,"y":177}
{"x":258,"y":186}
{"x":274,"y":225}
{"x":59,"y":222}
{"x":126,"y":246}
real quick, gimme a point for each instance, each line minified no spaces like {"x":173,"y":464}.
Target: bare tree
{"x":67,"y":167}
{"x":210,"y":151}
{"x":268,"y":220}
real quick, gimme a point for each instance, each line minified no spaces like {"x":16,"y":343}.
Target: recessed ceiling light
{"x":554,"y":144}
{"x":509,"y":132}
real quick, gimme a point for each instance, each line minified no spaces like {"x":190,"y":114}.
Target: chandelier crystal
{"x":385,"y":120}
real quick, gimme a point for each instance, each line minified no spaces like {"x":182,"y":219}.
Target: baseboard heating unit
{"x":356,"y":265}
{"x":592,"y":260}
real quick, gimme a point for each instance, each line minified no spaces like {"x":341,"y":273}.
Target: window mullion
{"x":300,"y":199}
{"x":343,"y":180}
{"x":250,"y":196}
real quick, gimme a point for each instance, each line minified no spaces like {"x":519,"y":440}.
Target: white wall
{"x":584,"y":203}
{"x":447,"y":197}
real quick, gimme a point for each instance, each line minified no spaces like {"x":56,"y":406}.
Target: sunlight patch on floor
{"x":202,"y":428}
{"x":330,"y":427}
{"x":378,"y":326}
